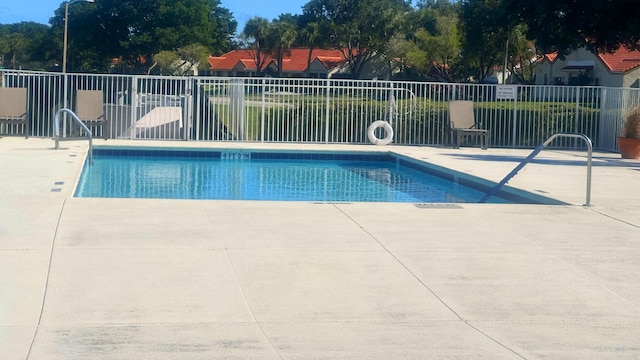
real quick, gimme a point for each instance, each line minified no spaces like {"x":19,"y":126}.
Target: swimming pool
{"x":226,"y":174}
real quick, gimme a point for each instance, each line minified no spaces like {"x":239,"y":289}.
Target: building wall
{"x":378,"y":68}
{"x":632,"y":79}
{"x":548,"y":73}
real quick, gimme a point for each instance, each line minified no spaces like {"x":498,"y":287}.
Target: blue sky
{"x":14,"y":11}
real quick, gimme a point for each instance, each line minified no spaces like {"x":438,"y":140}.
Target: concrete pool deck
{"x":128,"y":279}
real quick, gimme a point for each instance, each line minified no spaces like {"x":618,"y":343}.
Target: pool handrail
{"x":535,"y":152}
{"x":56,"y":130}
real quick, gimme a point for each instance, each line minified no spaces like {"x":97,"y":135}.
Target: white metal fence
{"x":322,"y":110}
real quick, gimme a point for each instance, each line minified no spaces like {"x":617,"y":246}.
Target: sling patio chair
{"x":14,"y":110}
{"x":462,"y":122}
{"x":90,"y":109}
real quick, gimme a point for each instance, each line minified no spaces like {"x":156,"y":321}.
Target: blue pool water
{"x":232,"y":175}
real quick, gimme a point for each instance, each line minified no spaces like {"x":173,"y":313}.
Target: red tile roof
{"x":331,"y":61}
{"x":229,"y":60}
{"x":295,"y":60}
{"x":550,"y":57}
{"x":622,"y":60}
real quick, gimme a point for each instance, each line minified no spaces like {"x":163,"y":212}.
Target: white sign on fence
{"x":506,"y":92}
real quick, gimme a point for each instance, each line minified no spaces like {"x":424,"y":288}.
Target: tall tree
{"x":135,"y":30}
{"x":281,"y":35}
{"x":361,"y":29}
{"x":309,"y":36}
{"x":181,"y":62}
{"x":521,"y":56}
{"x":484,"y":36}
{"x":21,"y":44}
{"x":256,"y":31}
{"x":564,"y":25}
{"x":431,"y":44}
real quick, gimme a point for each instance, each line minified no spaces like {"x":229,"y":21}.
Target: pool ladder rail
{"x":56,"y":130}
{"x":535,"y":152}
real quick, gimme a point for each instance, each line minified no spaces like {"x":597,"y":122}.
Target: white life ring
{"x":380,"y":124}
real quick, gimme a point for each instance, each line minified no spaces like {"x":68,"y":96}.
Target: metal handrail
{"x":56,"y":130}
{"x":535,"y":152}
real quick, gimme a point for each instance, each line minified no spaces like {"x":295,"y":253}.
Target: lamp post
{"x":66,"y":25}
{"x":64,"y":57}
{"x":504,"y":68}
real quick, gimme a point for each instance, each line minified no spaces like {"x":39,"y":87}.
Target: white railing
{"x":76,"y":119}
{"x":324,"y":110}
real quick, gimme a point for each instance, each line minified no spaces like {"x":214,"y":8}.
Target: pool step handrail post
{"x":535,"y":152}
{"x":56,"y":130}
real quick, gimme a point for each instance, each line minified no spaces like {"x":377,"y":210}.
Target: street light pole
{"x":64,"y":58}
{"x":504,"y":68}
{"x":66,"y":31}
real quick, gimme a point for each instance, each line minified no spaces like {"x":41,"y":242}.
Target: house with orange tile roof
{"x":583,"y":67}
{"x":325,"y":64}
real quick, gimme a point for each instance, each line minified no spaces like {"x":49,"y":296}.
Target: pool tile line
{"x":234,"y":154}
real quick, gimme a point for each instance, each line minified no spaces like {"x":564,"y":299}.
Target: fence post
{"x":134,"y":106}
{"x":65,"y":101}
{"x":188,"y":119}
{"x":326,"y":117}
{"x":577,"y":115}
{"x":197,"y":100}
{"x":515,"y":118}
{"x":602,"y":119}
{"x":237,"y":113}
{"x":264,"y":99}
{"x":392,"y":102}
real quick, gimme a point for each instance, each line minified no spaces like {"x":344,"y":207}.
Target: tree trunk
{"x":280,"y":56}
{"x":308,"y":70}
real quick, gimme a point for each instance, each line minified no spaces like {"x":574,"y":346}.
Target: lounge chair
{"x":462,"y":122}
{"x":90,"y":109}
{"x":13,"y":108}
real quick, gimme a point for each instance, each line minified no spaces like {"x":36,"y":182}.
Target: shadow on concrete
{"x":581,"y":160}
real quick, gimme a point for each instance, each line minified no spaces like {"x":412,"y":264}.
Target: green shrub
{"x":427,"y":122}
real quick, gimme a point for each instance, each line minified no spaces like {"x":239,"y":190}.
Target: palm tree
{"x":310,"y":37}
{"x":257,"y":29}
{"x":281,"y":35}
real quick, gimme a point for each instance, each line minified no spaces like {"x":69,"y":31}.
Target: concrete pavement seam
{"x":235,"y":274}
{"x":46,"y":283}
{"x":427,"y":286}
{"x":614,"y":218}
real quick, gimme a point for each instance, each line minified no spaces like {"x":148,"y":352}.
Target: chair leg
{"x":106,"y":127}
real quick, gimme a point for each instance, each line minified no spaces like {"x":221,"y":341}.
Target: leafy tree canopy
{"x":359,"y":28}
{"x":564,"y":25}
{"x":256,"y":32}
{"x":136,"y":30}
{"x":430,"y":41}
{"x":21,"y":44}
